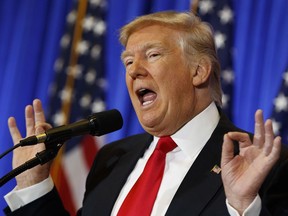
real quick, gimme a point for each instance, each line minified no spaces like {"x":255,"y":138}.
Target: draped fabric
{"x":261,"y":57}
{"x":30,"y":31}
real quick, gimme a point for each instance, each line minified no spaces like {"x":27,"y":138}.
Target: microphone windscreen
{"x":106,"y":122}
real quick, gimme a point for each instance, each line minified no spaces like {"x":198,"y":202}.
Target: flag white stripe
{"x":76,"y":171}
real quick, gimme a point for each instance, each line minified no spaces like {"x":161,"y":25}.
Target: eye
{"x":153,"y":55}
{"x":128,"y":62}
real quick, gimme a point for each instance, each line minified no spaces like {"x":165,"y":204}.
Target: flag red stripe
{"x":65,"y":192}
{"x":89,"y":149}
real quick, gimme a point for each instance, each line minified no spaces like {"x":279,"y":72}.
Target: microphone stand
{"x":40,"y":158}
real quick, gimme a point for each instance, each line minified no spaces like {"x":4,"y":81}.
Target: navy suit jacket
{"x":200,"y":193}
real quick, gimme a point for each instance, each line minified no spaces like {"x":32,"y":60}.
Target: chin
{"x":152,"y":126}
{"x":148,"y":122}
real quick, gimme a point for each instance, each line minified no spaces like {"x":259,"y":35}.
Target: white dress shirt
{"x":190,"y":140}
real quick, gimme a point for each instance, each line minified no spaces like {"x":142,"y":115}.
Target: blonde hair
{"x":195,"y":37}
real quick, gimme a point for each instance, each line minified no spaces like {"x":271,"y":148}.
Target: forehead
{"x":152,"y":36}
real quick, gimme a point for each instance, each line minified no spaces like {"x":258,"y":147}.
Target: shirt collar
{"x":192,"y":137}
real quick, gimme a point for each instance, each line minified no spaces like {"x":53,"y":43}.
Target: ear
{"x":203,"y":71}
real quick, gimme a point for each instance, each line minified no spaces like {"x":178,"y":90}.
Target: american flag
{"x":78,"y":91}
{"x":221,"y":16}
{"x":280,"y":110}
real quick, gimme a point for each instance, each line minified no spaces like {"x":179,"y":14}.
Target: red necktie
{"x":141,"y":198}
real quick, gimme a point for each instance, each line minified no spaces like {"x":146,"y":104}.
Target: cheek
{"x":128,"y":83}
{"x":180,"y":89}
{"x":178,"y":81}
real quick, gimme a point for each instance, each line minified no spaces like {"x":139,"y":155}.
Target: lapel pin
{"x":216,"y":169}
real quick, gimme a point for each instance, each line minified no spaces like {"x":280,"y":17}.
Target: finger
{"x":227,"y":150}
{"x":15,"y":133}
{"x":29,"y":119}
{"x":242,"y":138}
{"x":39,"y":116}
{"x":39,"y":112}
{"x":269,"y":137}
{"x":258,"y":138}
{"x":45,"y":126}
{"x":276,"y":149}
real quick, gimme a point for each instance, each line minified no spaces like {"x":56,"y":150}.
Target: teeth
{"x":142,"y":91}
{"x":146,"y":96}
{"x":147,"y":102}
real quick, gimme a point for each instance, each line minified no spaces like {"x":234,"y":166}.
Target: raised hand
{"x":244,"y":174}
{"x":35,"y":124}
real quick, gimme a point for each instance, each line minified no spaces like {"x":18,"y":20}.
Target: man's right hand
{"x":35,"y":124}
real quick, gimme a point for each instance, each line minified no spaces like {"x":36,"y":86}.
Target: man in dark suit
{"x":172,"y":75}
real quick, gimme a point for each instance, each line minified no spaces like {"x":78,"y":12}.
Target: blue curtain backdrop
{"x":30,"y":31}
{"x":261,"y":56}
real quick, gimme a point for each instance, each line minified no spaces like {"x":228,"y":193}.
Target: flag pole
{"x":194,"y":6}
{"x":70,"y":81}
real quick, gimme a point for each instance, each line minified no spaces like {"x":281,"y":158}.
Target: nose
{"x":137,"y":69}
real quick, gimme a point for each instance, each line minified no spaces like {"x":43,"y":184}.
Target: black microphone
{"x":96,"y":124}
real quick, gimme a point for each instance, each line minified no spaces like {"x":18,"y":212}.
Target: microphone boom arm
{"x":40,"y":158}
{"x":96,"y":124}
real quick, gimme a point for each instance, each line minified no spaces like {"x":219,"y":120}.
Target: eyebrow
{"x":145,"y":47}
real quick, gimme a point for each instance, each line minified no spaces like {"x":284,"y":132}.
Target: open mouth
{"x":146,"y":96}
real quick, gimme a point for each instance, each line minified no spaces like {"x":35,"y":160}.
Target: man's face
{"x":159,"y":80}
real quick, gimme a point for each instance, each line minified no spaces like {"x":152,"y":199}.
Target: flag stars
{"x":96,"y":3}
{"x":228,"y":76}
{"x":225,"y":15}
{"x":99,"y":27}
{"x":71,"y":17}
{"x":219,"y":40}
{"x":276,"y":126}
{"x":285,"y":77}
{"x":82,"y":47}
{"x":102,"y":83}
{"x":85,"y":101}
{"x":59,"y":118}
{"x":206,"y":6}
{"x":66,"y":94}
{"x":58,"y":65}
{"x":88,"y":23}
{"x":65,"y":41}
{"x":281,"y":103}
{"x":85,"y":79}
{"x":96,"y":51}
{"x":52,"y":89}
{"x":225,"y":100}
{"x":90,"y":76}
{"x":221,"y":15}
{"x":98,"y":105}
{"x":75,"y":71}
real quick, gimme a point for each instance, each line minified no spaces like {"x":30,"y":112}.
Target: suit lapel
{"x":195,"y":192}
{"x":200,"y":184}
{"x":104,"y":195}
